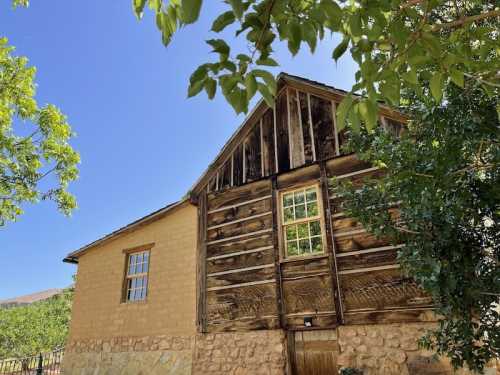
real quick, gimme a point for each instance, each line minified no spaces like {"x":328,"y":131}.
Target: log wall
{"x":248,"y":284}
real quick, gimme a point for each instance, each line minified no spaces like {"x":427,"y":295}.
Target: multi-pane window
{"x":302,"y":222}
{"x":136,"y":283}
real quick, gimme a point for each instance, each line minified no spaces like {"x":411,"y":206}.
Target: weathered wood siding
{"x":247,"y":282}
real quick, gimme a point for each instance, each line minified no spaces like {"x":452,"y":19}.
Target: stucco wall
{"x":170,"y":307}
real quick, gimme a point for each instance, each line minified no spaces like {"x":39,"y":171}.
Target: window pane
{"x":312,"y":209}
{"x":139,"y":258}
{"x":146,"y":257}
{"x":287,"y":200}
{"x":300,"y":211}
{"x":145,"y":267}
{"x":288,"y":212}
{"x":299,"y":197}
{"x":315,"y":228}
{"x":303,"y":230}
{"x":311,"y":195}
{"x":292,"y":248}
{"x":129,"y":295}
{"x":317,"y":245}
{"x":130,"y":269}
{"x":291,"y":232}
{"x":304,"y":246}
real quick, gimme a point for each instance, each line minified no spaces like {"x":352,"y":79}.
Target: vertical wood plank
{"x":282,"y":142}
{"x":330,"y":243}
{"x":268,"y":145}
{"x":279,"y":282}
{"x":252,"y":158}
{"x":201,"y":276}
{"x":311,"y":127}
{"x":232,"y":169}
{"x":321,"y":114}
{"x":244,"y":162}
{"x":295,"y":130}
{"x":238,"y":166}
{"x":335,"y":132}
{"x":306,"y":127}
{"x":262,"y":156}
{"x":275,"y":140}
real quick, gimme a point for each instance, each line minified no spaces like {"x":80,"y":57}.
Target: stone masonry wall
{"x":244,"y":353}
{"x":148,"y":355}
{"x":255,"y":353}
{"x":392,"y":349}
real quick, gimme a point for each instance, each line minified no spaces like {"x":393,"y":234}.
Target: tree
{"x":41,"y":326}
{"x":397,"y":44}
{"x":443,"y":175}
{"x":33,"y":142}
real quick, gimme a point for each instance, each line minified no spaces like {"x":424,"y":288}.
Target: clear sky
{"x":142,"y":143}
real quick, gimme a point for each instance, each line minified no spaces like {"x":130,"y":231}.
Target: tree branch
{"x":461,"y":21}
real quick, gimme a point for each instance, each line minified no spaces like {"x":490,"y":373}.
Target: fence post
{"x":39,"y":369}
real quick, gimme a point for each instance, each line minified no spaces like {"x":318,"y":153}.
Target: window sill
{"x":301,"y":258}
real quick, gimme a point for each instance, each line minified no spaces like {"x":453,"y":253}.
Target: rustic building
{"x":258,"y":270}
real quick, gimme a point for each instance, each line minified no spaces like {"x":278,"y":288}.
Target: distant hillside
{"x":29,"y":298}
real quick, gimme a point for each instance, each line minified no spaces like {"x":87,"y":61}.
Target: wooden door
{"x":315,"y":353}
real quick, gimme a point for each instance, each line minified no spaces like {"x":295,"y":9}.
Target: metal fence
{"x":41,"y":364}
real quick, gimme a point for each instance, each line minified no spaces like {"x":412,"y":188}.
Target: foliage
{"x":41,"y":326}
{"x":33,"y":142}
{"x":444,"y":176}
{"x":397,"y":44}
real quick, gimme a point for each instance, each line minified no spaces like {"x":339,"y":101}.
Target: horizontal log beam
{"x":239,"y":204}
{"x":242,"y":285}
{"x":230,"y":255}
{"x":241,"y":270}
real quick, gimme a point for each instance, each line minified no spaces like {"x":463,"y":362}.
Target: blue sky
{"x":142,"y":142}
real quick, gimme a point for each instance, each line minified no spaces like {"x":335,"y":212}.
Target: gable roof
{"x":30,"y":298}
{"x":156,"y":215}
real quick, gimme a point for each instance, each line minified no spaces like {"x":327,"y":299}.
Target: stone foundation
{"x":388,"y":349}
{"x":130,"y":356}
{"x":392,"y":349}
{"x":255,"y":353}
{"x":242,"y":353}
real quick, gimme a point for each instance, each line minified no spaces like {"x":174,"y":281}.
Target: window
{"x":301,"y":217}
{"x":136,"y":277}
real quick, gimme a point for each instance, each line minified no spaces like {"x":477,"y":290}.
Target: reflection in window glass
{"x":302,"y":222}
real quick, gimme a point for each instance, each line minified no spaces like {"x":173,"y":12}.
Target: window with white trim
{"x":136,"y":277}
{"x":301,"y":222}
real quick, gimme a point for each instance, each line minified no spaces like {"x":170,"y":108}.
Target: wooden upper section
{"x":300,"y":130}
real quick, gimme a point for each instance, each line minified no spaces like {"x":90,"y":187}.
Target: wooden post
{"x":201,"y":274}
{"x":330,"y":243}
{"x":279,"y":286}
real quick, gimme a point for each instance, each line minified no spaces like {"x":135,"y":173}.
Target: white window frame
{"x":319,"y":216}
{"x":142,"y":275}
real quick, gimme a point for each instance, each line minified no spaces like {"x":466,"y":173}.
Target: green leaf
{"x":139,"y":7}
{"x":267,"y":61}
{"x":199,"y":74}
{"x":368,"y":112}
{"x":410,"y":77}
{"x":251,"y":85}
{"x":268,"y":79}
{"x":266,"y":94}
{"x":294,"y":37}
{"x":342,"y":111}
{"x":355,"y":24}
{"x":354,"y":119}
{"x":238,"y":7}
{"x":436,"y":86}
{"x":340,"y":49}
{"x":222,"y":21}
{"x":457,"y":77}
{"x":221,"y":47}
{"x":310,"y":35}
{"x":190,"y":10}
{"x":195,"y":88}
{"x":155,"y":5}
{"x":210,"y":87}
{"x":498,"y":111}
